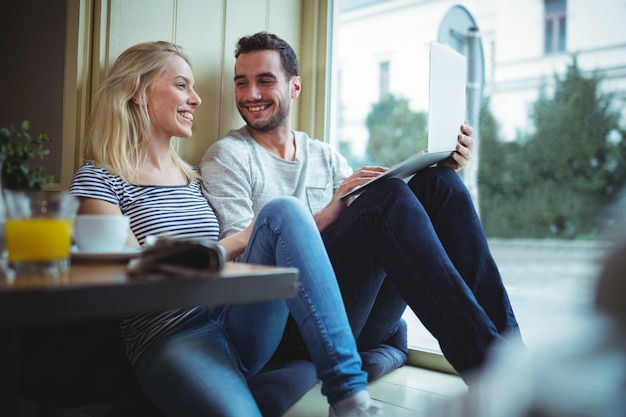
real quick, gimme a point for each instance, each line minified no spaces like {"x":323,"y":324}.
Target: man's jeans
{"x":202,"y":366}
{"x":421,"y":244}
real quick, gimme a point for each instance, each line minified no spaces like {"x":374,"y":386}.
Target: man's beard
{"x":275,"y":120}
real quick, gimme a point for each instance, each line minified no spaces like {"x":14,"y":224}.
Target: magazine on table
{"x":166,"y":257}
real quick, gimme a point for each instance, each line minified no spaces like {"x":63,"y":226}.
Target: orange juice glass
{"x":38,"y":231}
{"x":38,"y":239}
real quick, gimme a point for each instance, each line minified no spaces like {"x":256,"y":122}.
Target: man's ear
{"x":296,"y":86}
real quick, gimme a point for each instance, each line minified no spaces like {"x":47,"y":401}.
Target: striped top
{"x":180,"y":211}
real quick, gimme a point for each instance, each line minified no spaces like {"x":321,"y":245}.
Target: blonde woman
{"x":196,"y":361}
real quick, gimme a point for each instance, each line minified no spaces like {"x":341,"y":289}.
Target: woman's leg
{"x":285,"y":234}
{"x":194,"y":370}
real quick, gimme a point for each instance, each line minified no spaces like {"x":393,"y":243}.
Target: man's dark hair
{"x":263,"y":41}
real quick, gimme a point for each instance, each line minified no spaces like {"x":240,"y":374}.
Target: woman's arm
{"x":236,"y":243}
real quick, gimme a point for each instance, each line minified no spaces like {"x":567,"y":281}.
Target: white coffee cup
{"x":101,"y":233}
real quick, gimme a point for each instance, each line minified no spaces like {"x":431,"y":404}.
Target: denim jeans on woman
{"x":421,"y":245}
{"x":201,"y":368}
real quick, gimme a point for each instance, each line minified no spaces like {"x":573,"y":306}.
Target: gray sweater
{"x":240,"y":176}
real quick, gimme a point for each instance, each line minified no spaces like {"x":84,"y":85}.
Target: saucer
{"x":125,"y":254}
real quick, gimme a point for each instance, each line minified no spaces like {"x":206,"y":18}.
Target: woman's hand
{"x":236,"y":243}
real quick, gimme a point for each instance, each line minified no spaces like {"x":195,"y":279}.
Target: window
{"x":555,"y":26}
{"x":383,"y":79}
{"x":547,"y":278}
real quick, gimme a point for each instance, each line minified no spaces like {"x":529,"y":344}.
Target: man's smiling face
{"x":262,"y":92}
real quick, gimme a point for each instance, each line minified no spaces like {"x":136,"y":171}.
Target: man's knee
{"x":433,"y":181}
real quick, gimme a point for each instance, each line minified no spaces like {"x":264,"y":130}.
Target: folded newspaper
{"x":178,"y":258}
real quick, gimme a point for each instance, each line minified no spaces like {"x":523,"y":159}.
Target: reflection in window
{"x":555,"y":26}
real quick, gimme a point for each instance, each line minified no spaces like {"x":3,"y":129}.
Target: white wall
{"x":208,"y":31}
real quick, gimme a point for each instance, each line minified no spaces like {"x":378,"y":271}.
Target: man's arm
{"x":226,"y":186}
{"x":336,"y":206}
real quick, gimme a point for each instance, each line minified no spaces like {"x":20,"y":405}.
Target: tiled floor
{"x":549,"y":282}
{"x":405,"y":392}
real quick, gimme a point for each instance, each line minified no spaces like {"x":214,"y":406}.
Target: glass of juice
{"x":38,"y":232}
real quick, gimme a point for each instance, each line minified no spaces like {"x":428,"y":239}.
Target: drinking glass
{"x":38,"y":232}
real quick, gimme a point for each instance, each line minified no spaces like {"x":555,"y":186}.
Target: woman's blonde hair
{"x":118,"y":129}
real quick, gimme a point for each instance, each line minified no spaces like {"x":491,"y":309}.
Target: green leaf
{"x":19,"y":149}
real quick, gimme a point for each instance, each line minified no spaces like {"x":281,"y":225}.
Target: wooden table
{"x":93,"y":291}
{"x":100,"y":290}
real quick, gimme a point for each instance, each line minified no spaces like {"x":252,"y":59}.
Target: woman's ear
{"x":138,"y":100}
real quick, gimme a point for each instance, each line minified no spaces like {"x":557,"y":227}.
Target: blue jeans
{"x":421,"y":244}
{"x":201,"y":367}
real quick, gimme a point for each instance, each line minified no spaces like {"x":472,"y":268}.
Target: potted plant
{"x":18,"y":149}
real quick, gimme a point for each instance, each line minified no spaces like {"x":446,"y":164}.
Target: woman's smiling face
{"x":172,"y":100}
